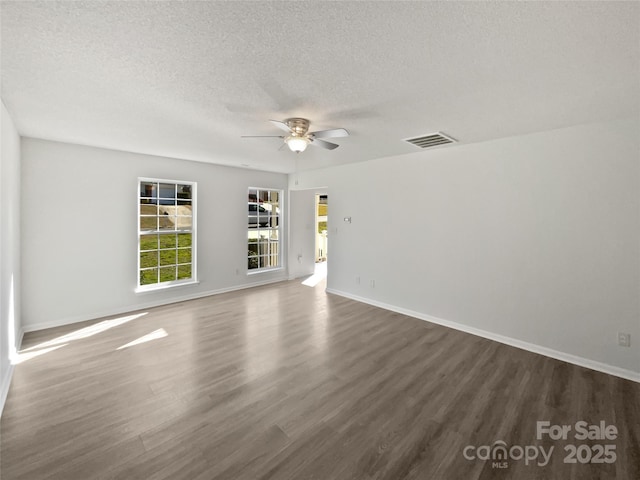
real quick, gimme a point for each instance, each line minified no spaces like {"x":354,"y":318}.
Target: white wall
{"x":302,"y":238}
{"x":534,"y":240}
{"x":10,"y":328}
{"x":79,"y":230}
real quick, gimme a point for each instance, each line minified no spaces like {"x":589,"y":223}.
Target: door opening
{"x":321,"y":228}
{"x":321,"y":242}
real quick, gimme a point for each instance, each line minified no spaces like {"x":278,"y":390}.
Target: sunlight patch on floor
{"x":23,"y":357}
{"x":81,"y":333}
{"x":319,"y":274}
{"x":160,"y":333}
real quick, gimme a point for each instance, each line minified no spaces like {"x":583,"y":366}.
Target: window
{"x":263,"y":236}
{"x":166,"y":233}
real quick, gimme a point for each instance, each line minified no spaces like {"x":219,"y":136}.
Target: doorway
{"x":322,"y":242}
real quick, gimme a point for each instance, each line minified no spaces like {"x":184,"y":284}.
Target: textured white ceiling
{"x":187,"y":79}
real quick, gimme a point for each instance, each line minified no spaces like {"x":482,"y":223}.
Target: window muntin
{"x":166,"y":233}
{"x":264,"y":207}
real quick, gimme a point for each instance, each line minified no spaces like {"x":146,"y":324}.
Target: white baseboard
{"x":19,"y":340}
{"x":514,"y":342}
{"x":132,"y":308}
{"x":6,"y":381}
{"x":4,"y":387}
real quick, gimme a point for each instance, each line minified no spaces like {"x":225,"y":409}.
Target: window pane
{"x":149,"y":277}
{"x":252,"y":209}
{"x":148,"y":242}
{"x":168,"y":257}
{"x":184,"y":239}
{"x":253,"y":195}
{"x":253,"y":261}
{"x":148,"y":208}
{"x":184,"y":271}
{"x":184,"y":191}
{"x":184,"y":210}
{"x":253,"y":248}
{"x":263,"y":247}
{"x":264,"y":234}
{"x":167,"y":241}
{"x":149,"y":259}
{"x":167,"y":190}
{"x":184,"y":223}
{"x":148,"y":189}
{"x":167,"y":274}
{"x":167,"y":222}
{"x":184,"y":255}
{"x":148,"y":223}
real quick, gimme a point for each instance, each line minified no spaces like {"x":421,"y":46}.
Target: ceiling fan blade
{"x":321,"y":143}
{"x":281,"y":126}
{"x":334,"y":132}
{"x":261,"y":136}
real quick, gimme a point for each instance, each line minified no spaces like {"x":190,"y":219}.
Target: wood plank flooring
{"x":286,"y":382}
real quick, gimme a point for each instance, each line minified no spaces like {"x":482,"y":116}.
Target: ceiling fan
{"x":298,"y":135}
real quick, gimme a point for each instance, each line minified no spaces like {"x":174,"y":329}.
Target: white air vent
{"x":430,"y":140}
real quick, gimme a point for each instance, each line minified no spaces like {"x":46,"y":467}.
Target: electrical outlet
{"x":624,"y":339}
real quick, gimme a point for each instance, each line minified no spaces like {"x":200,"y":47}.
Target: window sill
{"x":164,"y":286}
{"x":264,"y":270}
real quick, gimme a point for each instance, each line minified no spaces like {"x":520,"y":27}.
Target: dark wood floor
{"x":286,"y":382}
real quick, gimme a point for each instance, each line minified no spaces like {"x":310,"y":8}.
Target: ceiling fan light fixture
{"x":298,"y":136}
{"x":297,"y":144}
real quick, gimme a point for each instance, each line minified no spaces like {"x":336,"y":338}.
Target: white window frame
{"x":254,"y":271}
{"x":193,"y":231}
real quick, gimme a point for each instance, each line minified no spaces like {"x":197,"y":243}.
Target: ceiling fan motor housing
{"x":299,"y":126}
